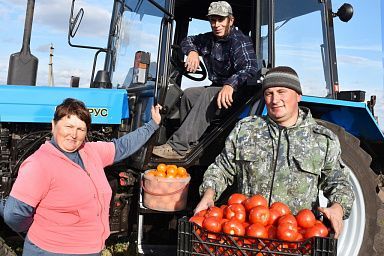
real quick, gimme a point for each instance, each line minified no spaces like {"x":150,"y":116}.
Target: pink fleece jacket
{"x":72,"y":205}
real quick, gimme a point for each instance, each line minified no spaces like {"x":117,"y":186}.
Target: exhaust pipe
{"x":23,"y":65}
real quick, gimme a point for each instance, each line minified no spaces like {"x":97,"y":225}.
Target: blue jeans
{"x":30,"y":249}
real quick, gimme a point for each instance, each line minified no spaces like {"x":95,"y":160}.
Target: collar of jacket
{"x":224,"y":39}
{"x":279,"y":133}
{"x":304,"y":119}
{"x":67,"y":154}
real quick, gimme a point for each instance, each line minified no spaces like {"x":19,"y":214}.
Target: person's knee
{"x":191,"y":92}
{"x":200,"y":94}
{"x":212,"y":91}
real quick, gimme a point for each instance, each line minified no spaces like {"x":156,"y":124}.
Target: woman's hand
{"x":155,"y":113}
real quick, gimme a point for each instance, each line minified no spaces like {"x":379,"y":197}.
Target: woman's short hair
{"x":73,"y":107}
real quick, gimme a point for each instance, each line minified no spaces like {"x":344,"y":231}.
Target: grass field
{"x":114,"y":247}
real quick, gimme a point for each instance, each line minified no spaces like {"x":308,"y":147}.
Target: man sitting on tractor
{"x":230,"y":60}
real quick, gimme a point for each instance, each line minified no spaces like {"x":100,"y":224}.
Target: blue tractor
{"x":143,"y":66}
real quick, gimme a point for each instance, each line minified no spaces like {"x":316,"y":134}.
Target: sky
{"x":359,"y":43}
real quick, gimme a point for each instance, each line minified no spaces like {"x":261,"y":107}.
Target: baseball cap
{"x":220,"y":8}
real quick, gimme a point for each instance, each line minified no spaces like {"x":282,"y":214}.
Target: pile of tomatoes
{"x":252,"y":217}
{"x":168,"y":171}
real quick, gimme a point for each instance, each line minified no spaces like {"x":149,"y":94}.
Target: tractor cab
{"x":145,"y":58}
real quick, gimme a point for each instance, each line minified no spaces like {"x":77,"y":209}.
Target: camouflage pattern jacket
{"x":290,"y":164}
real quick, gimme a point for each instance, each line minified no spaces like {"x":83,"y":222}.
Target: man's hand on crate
{"x":335,"y":215}
{"x":206,"y":201}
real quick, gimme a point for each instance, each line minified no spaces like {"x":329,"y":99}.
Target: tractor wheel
{"x":360,"y":228}
{"x":5,"y":250}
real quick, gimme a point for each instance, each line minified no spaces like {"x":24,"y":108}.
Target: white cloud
{"x":358,"y":60}
{"x":3,"y":70}
{"x":12,"y":6}
{"x":11,"y":12}
{"x":13,"y":2}
{"x":373,"y":48}
{"x":62,"y":76}
{"x":309,"y":53}
{"x":55,"y":15}
{"x":43,"y":48}
{"x":50,"y":25}
{"x":134,"y":34}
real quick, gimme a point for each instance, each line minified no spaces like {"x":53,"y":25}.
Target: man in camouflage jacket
{"x":285,"y":156}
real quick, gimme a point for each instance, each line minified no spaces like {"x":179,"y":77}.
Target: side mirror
{"x":345,"y":12}
{"x":75,"y":22}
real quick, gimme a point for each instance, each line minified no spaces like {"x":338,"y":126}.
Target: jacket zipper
{"x":274,"y":167}
{"x":100,"y":204}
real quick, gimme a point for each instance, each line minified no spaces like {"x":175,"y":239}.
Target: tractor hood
{"x":37,"y":104}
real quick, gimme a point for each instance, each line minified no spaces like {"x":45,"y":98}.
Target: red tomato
{"x":271,"y":231}
{"x":288,"y":218}
{"x":222,"y":207}
{"x":305,"y":218}
{"x":273,"y":216}
{"x":212,"y":224}
{"x":259,"y":214}
{"x":235,"y":211}
{"x":212,"y":236}
{"x":246,"y":241}
{"x":245,"y":224}
{"x":201,"y":213}
{"x":255,"y":201}
{"x":312,"y":231}
{"x":301,"y":230}
{"x":281,"y":208}
{"x":222,"y":221}
{"x":286,"y":234}
{"x":287,"y":225}
{"x":257,"y":230}
{"x":236,"y":198}
{"x":323,"y":229}
{"x":233,"y":227}
{"x":299,"y":237}
{"x":214,"y":211}
{"x":197,"y":220}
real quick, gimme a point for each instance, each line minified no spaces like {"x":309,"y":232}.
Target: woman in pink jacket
{"x":61,"y":195}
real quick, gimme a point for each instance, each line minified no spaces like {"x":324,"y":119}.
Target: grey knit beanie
{"x":282,"y":77}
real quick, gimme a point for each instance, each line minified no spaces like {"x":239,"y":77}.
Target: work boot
{"x":166,"y":151}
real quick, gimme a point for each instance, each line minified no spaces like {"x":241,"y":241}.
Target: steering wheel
{"x":200,"y":74}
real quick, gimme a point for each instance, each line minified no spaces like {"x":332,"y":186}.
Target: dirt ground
{"x":379,"y":238}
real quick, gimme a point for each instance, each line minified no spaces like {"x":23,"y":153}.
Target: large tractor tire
{"x":360,"y":228}
{"x":5,"y":250}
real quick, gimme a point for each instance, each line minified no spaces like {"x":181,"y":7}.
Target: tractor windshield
{"x":139,"y":27}
{"x":299,"y":43}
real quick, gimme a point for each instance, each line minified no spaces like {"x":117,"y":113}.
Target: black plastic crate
{"x":194,"y":240}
